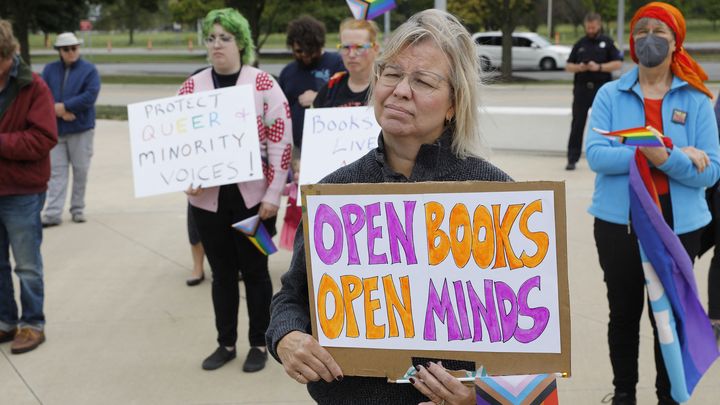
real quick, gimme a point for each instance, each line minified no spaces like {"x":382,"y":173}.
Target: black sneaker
{"x":218,"y":359}
{"x":570,"y":166}
{"x":619,"y":398}
{"x":255,"y":360}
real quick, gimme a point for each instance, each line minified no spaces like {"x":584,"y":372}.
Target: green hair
{"x":233,"y":22}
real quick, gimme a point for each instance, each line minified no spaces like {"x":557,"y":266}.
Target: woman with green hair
{"x":215,"y":209}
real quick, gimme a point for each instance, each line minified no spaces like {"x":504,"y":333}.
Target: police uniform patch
{"x":679,"y":116}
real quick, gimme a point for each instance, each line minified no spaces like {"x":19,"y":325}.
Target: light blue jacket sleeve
{"x":603,"y":154}
{"x":679,"y":167}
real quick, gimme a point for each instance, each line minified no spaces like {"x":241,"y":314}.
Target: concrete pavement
{"x":123,"y":327}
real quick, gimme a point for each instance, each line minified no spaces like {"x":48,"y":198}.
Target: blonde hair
{"x":446,"y":31}
{"x":8,"y":43}
{"x":352,"y":24}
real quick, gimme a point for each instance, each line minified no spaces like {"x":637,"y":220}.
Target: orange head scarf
{"x":682,"y":65}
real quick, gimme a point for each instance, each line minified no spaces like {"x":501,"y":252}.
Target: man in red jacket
{"x":27,"y":133}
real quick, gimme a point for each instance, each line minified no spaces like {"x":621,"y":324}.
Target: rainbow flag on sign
{"x":254,"y":229}
{"x":370,"y":9}
{"x":640,"y":136}
{"x":686,"y":337}
{"x":535,"y":389}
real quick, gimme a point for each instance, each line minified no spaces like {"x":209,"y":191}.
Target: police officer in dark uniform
{"x":592,"y":59}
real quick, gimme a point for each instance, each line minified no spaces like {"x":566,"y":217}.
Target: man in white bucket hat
{"x":75,"y":84}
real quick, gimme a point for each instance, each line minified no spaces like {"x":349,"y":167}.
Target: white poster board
{"x":208,"y":138}
{"x":470,"y":272}
{"x":335,"y":137}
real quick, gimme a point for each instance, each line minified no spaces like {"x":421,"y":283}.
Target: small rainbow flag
{"x":640,"y":136}
{"x":370,"y":9}
{"x":254,"y":229}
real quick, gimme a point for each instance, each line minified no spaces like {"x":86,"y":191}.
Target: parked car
{"x":529,"y":51}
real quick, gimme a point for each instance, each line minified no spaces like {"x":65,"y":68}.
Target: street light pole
{"x":549,"y":19}
{"x":441,"y":5}
{"x":620,"y":25}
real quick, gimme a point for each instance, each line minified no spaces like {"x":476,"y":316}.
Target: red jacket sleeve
{"x":39,"y":133}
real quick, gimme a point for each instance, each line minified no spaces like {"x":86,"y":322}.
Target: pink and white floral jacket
{"x":274,"y":129}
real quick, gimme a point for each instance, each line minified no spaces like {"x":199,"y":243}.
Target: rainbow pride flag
{"x":536,"y":389}
{"x":254,"y":229}
{"x":640,"y":136}
{"x":370,"y":9}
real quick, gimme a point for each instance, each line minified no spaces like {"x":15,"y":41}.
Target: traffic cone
{"x":109,"y":45}
{"x":149,"y":45}
{"x":190,"y":44}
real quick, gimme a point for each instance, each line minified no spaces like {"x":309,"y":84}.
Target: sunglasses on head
{"x":69,"y":48}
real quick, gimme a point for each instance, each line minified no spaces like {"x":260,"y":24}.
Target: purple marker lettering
{"x":540,"y":315}
{"x":397,"y":234}
{"x":508,"y":317}
{"x":352,"y":227}
{"x":462,"y":309}
{"x":326,"y":215}
{"x":373,"y":232}
{"x":443,"y":308}
{"x":486,"y":312}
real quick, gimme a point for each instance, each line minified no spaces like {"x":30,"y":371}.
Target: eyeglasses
{"x":224,"y":40}
{"x":360,"y":49}
{"x":420,"y":82}
{"x":68,"y":48}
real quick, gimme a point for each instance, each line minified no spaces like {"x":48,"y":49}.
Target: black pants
{"x":714,"y":273}
{"x":583,"y":97}
{"x":622,"y":268}
{"x":227,"y":251}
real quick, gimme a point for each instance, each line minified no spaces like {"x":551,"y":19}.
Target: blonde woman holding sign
{"x":425,"y":94}
{"x":215,"y":209}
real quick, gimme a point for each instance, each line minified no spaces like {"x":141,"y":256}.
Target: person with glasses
{"x":75,"y":85}
{"x":214,"y":209}
{"x":424,"y":91}
{"x":311,"y":69}
{"x":358,"y":48}
{"x":349,"y":88}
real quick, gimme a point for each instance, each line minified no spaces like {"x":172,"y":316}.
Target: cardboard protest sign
{"x":473,"y":271}
{"x":335,"y":137}
{"x":208,"y":138}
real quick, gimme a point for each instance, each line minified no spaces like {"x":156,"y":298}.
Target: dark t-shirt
{"x":296,"y":78}
{"x":340,"y":95}
{"x":600,"y":49}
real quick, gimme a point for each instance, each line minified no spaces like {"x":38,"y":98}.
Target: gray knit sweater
{"x":290,"y":306}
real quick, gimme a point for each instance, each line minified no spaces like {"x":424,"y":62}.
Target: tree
{"x":506,"y":14}
{"x":51,"y":16}
{"x":128,"y":13}
{"x":711,"y":10}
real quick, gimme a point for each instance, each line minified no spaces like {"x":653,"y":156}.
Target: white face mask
{"x":651,"y":50}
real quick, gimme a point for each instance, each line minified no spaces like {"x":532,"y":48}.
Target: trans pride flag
{"x":686,"y":338}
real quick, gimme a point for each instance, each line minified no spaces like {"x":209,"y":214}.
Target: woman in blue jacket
{"x":665,"y":91}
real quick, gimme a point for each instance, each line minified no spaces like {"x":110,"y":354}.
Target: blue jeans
{"x":21,"y":231}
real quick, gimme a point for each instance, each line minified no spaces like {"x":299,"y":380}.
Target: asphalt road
{"x":184,"y":69}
